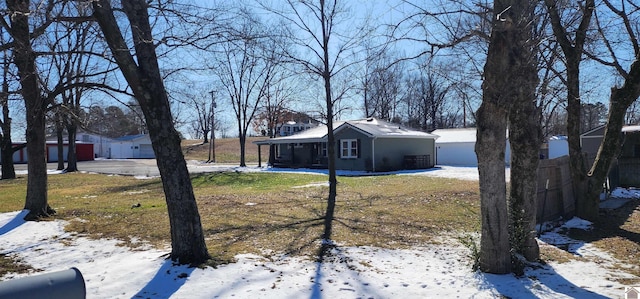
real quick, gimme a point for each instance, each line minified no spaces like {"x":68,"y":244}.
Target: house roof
{"x":599,"y":131}
{"x":558,"y":137}
{"x":595,"y":132}
{"x":130,"y":137}
{"x":626,"y":129}
{"x":371,"y":127}
{"x":459,"y":135}
{"x":379,"y":128}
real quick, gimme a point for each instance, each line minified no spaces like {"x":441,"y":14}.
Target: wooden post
{"x":259,"y":156}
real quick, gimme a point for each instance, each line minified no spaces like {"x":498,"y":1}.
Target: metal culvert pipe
{"x":67,"y":284}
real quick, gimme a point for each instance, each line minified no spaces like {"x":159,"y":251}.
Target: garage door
{"x":458,"y":154}
{"x":146,"y":151}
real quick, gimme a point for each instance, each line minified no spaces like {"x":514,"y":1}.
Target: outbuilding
{"x":84,"y":152}
{"x":131,"y":147}
{"x":558,"y":147}
{"x":456,"y":147}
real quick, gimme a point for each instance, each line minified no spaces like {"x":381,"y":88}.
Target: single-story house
{"x":131,"y":147}
{"x":456,"y":147}
{"x":361,"y":145}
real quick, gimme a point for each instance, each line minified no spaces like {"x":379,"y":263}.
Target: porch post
{"x":259,"y":156}
{"x":293,"y":153}
{"x":373,"y":154}
{"x":272,"y":154}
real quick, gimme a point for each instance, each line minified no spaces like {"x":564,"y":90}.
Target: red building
{"x":84,"y":152}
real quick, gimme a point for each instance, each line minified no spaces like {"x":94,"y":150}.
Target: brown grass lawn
{"x":275,"y":213}
{"x":227,"y":150}
{"x":265,"y":212}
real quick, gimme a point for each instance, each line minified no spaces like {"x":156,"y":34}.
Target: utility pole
{"x":212,"y":147}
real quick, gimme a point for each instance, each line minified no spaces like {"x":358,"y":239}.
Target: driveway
{"x":136,"y":167}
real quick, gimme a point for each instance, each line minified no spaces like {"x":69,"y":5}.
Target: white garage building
{"x":131,"y":147}
{"x":558,"y":147}
{"x":456,"y":147}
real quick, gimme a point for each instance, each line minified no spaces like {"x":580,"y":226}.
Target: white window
{"x":349,"y":148}
{"x":322,"y":149}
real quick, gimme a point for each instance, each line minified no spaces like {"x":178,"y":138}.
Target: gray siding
{"x":590,"y":145}
{"x":390,"y":152}
{"x":388,"y":155}
{"x":358,"y":164}
{"x":590,"y":142}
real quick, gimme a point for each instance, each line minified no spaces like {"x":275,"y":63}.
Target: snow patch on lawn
{"x":115,"y":271}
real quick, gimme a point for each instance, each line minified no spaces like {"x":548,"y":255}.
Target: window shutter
{"x":340,"y":148}
{"x":359,"y":149}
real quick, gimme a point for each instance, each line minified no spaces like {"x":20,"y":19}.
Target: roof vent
{"x":370,"y":119}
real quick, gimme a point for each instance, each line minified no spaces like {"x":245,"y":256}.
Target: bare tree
{"x":592,"y":116}
{"x":509,"y":100}
{"x":572,"y":49}
{"x":275,"y":111}
{"x":383,"y":92}
{"x":72,"y":44}
{"x":36,"y":103}
{"x":382,"y":86}
{"x":509,"y":84}
{"x":246,"y":69}
{"x":142,"y":72}
{"x":324,"y":49}
{"x":202,"y":103}
{"x":426,"y":98}
{"x":621,"y":30}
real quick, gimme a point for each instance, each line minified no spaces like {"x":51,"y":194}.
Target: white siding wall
{"x":558,"y":148}
{"x":456,"y":154}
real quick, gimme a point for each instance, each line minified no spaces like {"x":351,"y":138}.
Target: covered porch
{"x":287,"y":154}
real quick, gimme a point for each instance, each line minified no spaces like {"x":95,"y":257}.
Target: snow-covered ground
{"x":457,"y":172}
{"x":435,"y":271}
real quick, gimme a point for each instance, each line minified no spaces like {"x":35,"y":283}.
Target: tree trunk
{"x":509,"y":81}
{"x":331,"y":142}
{"x":35,"y":106}
{"x":577,"y":162}
{"x":6,"y":148}
{"x":525,"y":137}
{"x":72,"y":155}
{"x":187,"y":237}
{"x":37,"y":200}
{"x":6,"y":145}
{"x":60,"y":139}
{"x":243,"y":143}
{"x":495,"y":254}
{"x":333,"y":182}
{"x":206,"y":136}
